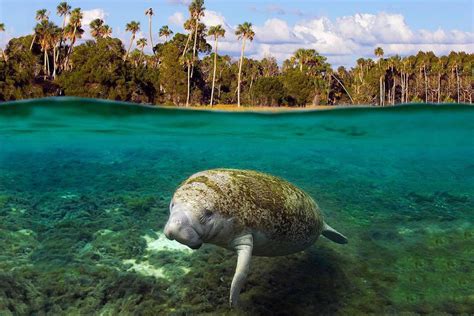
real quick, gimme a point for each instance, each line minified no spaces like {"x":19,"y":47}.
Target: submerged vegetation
{"x":84,"y":199}
{"x":186,"y":70}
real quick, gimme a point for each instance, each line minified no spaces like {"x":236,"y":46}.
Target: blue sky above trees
{"x":341,"y":30}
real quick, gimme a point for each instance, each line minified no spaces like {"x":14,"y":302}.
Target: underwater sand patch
{"x":164,"y":244}
{"x":144,"y":268}
{"x":155,"y":245}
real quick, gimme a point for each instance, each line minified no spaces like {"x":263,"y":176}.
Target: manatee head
{"x":195,"y":218}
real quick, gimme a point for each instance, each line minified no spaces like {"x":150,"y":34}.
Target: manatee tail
{"x":332,"y":234}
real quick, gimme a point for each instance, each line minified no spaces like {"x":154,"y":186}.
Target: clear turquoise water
{"x":84,"y":185}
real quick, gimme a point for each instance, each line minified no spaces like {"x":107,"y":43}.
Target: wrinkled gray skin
{"x":219,"y":207}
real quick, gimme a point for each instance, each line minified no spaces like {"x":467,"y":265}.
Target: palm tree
{"x":149,"y":13}
{"x":99,"y":29}
{"x":303,"y":56}
{"x":46,"y":32}
{"x":74,"y":29}
{"x":56,"y":43}
{"x":216,"y":31}
{"x":141,"y":43}
{"x":244,"y":31}
{"x":133,"y":27}
{"x":379,"y":54}
{"x":165,"y":32}
{"x":96,"y":27}
{"x":106,"y":31}
{"x":63,"y":9}
{"x":41,"y":15}
{"x":187,"y":60}
{"x":196,"y":8}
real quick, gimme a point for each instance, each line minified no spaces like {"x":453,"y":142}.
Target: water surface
{"x":85,"y":188}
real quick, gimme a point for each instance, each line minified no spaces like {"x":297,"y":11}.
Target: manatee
{"x":249,"y":212}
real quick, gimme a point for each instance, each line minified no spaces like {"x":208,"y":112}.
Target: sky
{"x":341,"y":30}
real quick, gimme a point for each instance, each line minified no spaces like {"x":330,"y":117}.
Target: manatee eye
{"x":206,"y":216}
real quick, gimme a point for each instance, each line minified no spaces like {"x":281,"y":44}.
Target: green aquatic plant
{"x":140,"y":205}
{"x":83,"y":204}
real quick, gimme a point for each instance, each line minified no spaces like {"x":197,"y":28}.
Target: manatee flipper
{"x":243,"y":245}
{"x":332,"y":234}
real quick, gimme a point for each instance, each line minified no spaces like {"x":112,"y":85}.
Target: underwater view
{"x":85,"y":190}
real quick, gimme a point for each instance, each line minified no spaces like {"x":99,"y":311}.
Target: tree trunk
{"x":240,"y":72}
{"x":250,"y":90}
{"x":457,"y":82}
{"x":402,"y":84}
{"x":194,"y":46}
{"x":439,"y":87}
{"x":393,"y":91}
{"x":381,"y":92}
{"x":70,"y":48}
{"x":342,"y":85}
{"x":130,"y":47}
{"x":151,"y":33}
{"x":189,"y":84}
{"x":407,"y":89}
{"x":56,"y":56}
{"x":316,"y":99}
{"x":329,"y":89}
{"x":47,"y":63}
{"x":62,"y":33}
{"x":187,"y":43}
{"x":33,"y":41}
{"x":426,"y":84}
{"x":214,"y":73}
{"x":44,"y":65}
{"x":54,"y":62}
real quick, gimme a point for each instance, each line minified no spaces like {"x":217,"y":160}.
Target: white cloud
{"x":176,"y":19}
{"x":347,"y":38}
{"x":342,"y":40}
{"x":370,"y":28}
{"x":90,"y":15}
{"x":212,"y":18}
{"x":275,"y":31}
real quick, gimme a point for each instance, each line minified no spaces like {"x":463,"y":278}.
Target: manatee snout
{"x":180,"y":228}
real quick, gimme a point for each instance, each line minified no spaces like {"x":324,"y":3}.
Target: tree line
{"x":184,"y":69}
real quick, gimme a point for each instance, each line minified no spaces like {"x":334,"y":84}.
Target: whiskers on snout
{"x":179,"y":228}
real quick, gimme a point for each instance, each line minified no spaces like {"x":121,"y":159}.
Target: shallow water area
{"x":85,"y":187}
